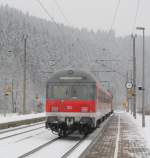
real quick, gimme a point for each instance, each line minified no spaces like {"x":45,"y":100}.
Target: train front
{"x":71,"y":102}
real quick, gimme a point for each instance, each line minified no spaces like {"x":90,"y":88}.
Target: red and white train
{"x":75,"y":100}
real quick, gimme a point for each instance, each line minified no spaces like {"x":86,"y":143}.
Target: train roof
{"x":72,"y":75}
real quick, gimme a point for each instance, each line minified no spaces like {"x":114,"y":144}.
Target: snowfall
{"x":22,"y":143}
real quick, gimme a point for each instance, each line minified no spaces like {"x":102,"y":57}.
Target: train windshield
{"x":84,"y":92}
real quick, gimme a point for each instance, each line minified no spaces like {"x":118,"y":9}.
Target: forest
{"x":52,"y":46}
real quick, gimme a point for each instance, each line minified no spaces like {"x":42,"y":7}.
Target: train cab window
{"x":92,"y":92}
{"x":85,"y":92}
{"x":59,"y":92}
{"x":79,"y":92}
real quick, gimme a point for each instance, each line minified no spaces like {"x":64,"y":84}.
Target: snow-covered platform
{"x":17,"y":120}
{"x":121,"y":138}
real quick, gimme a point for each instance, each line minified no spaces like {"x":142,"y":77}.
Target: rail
{"x":39,"y":148}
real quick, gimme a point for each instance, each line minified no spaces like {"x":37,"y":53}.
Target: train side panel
{"x":103,"y":103}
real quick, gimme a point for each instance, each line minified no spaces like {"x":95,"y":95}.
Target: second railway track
{"x":39,"y":148}
{"x":16,"y":134}
{"x":18,"y":128}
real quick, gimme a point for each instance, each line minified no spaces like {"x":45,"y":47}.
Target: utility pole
{"x":12,"y":92}
{"x":24,"y":74}
{"x":143,"y":77}
{"x":134,"y":77}
{"x":131,"y":99}
{"x":127,"y":93}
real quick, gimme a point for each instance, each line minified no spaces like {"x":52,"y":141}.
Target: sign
{"x":129,"y":85}
{"x":7,"y":90}
{"x":131,"y":92}
{"x":125,"y":104}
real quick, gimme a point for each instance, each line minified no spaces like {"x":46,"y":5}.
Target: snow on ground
{"x":21,"y":144}
{"x":17,"y":117}
{"x":40,"y":126}
{"x":56,"y":149}
{"x":78,"y":151}
{"x":145,"y":132}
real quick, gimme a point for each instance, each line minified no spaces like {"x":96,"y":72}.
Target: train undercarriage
{"x":67,"y":126}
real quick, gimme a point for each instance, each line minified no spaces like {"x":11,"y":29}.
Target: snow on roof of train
{"x":72,"y":75}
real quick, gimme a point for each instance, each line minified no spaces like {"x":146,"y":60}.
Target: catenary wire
{"x":113,"y":22}
{"x":53,"y":20}
{"x":136,"y":15}
{"x":115,"y":15}
{"x":48,"y":14}
{"x":45,"y":10}
{"x":61,"y":11}
{"x":66,"y":19}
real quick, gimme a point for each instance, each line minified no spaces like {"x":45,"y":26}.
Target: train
{"x":76,"y":101}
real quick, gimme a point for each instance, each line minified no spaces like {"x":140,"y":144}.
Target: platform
{"x":120,"y":139}
{"x":18,"y":120}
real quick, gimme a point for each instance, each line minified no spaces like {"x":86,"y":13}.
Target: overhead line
{"x":66,"y":19}
{"x":52,"y":19}
{"x":113,"y":21}
{"x":115,"y":15}
{"x":48,"y":14}
{"x":136,"y":14}
{"x":45,"y":10}
{"x":61,"y":11}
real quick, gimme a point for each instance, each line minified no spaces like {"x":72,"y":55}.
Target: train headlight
{"x":68,"y":107}
{"x":54,"y":108}
{"x":84,"y":109}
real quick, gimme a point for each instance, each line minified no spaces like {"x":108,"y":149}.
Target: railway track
{"x":66,"y":153}
{"x":29,"y":153}
{"x":50,"y":142}
{"x":17,"y":128}
{"x":73,"y":148}
{"x":39,"y":148}
{"x":5,"y":137}
{"x":68,"y":146}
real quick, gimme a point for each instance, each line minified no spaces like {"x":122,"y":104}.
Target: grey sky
{"x":92,"y":14}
